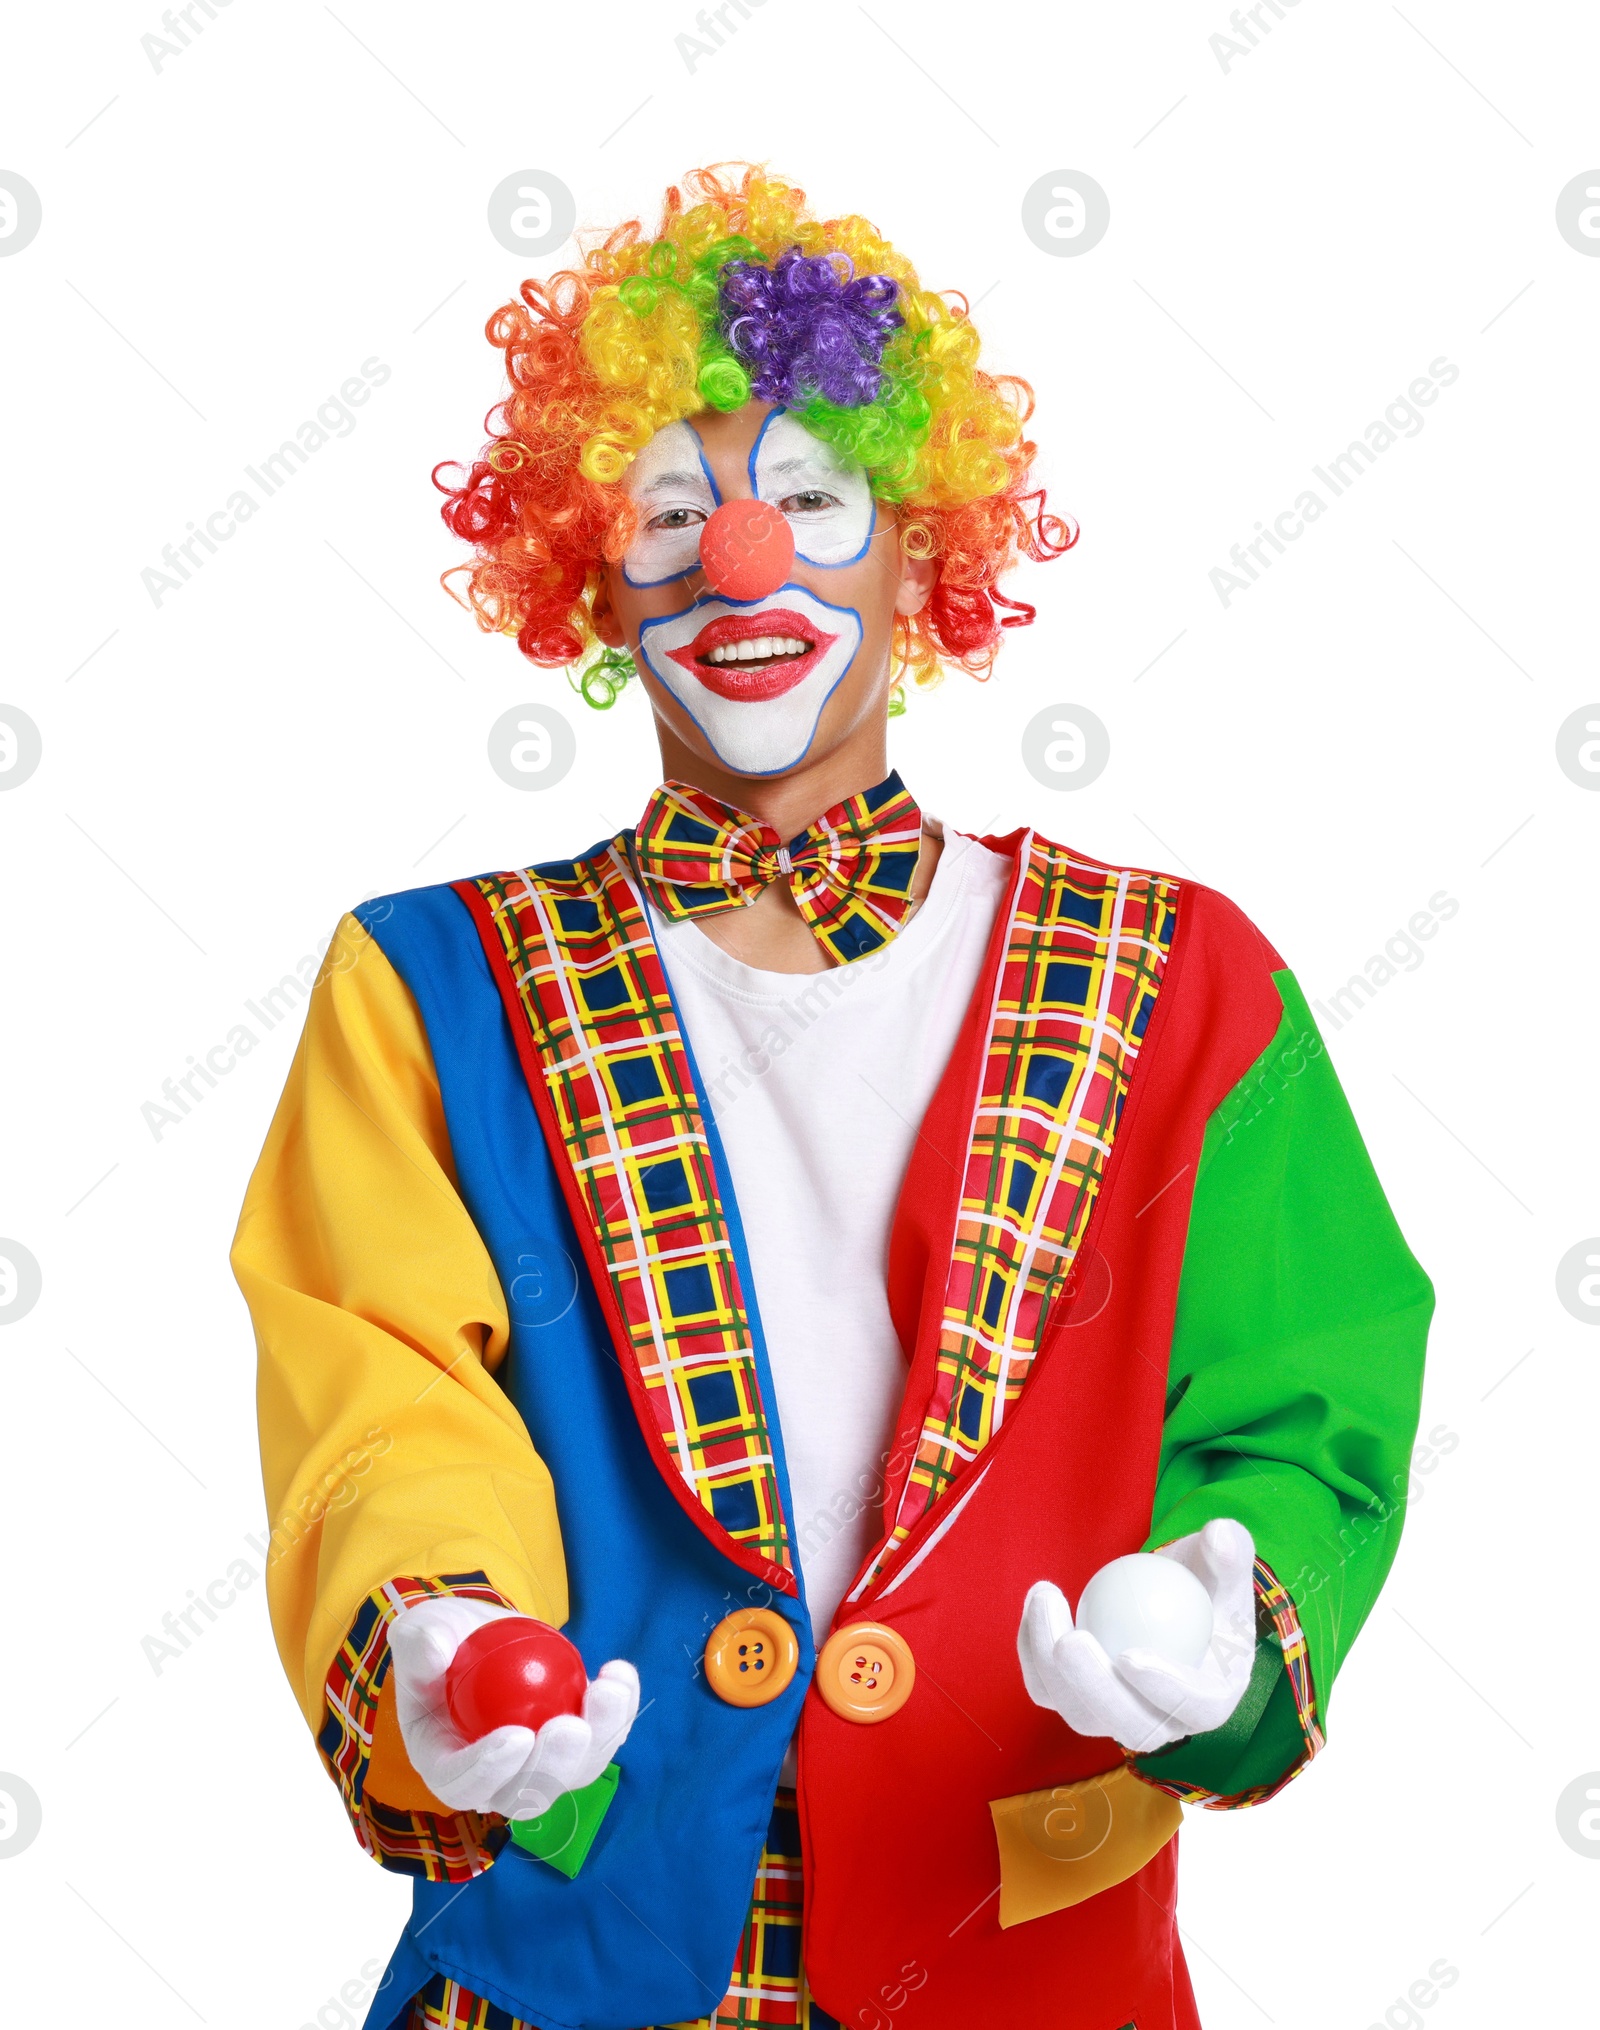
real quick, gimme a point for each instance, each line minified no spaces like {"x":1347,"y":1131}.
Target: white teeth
{"x":761,"y":646}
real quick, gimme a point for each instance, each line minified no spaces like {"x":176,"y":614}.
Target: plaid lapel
{"x":1081,"y":963}
{"x":597,"y":1033}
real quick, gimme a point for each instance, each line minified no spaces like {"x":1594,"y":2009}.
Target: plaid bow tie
{"x":850,"y":872}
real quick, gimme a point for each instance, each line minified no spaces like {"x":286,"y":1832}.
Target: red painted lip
{"x":741,"y":681}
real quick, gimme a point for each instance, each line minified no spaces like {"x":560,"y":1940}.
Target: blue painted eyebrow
{"x":755,"y":449}
{"x":711,"y":477}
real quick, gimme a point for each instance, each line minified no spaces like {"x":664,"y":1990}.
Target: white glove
{"x":1141,"y":1699}
{"x":515,"y":1771}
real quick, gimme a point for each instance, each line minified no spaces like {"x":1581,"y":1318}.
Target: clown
{"x":795,"y":1248}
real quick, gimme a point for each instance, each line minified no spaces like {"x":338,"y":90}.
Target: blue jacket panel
{"x":648,"y":1929}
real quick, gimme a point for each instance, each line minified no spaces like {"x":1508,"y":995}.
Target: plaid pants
{"x":766,"y":1991}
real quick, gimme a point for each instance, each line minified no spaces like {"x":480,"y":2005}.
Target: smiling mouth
{"x":752,"y":656}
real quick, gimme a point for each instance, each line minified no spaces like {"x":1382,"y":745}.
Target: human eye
{"x":812,"y":500}
{"x":675,"y":518}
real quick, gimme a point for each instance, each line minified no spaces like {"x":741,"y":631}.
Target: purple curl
{"x":809,"y":325}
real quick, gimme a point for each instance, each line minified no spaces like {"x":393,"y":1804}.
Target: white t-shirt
{"x":818,"y":1083}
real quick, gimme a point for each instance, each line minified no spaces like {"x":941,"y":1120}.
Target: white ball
{"x":1146,"y":1602}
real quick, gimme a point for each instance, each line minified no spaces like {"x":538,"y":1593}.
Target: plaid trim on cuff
{"x":444,"y":1847}
{"x":1274,"y":1600}
{"x":1278,"y":1621}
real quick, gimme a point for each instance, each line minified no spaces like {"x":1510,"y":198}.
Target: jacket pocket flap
{"x":1061,"y":1846}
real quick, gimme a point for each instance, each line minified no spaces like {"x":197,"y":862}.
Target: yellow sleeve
{"x":387,"y":1446}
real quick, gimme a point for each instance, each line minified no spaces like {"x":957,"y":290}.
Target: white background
{"x":303,"y":724}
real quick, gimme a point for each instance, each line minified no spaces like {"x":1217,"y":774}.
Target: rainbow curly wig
{"x":739,"y":293}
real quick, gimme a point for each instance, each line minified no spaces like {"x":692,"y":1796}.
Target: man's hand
{"x":1141,"y":1699}
{"x":516,"y":1771}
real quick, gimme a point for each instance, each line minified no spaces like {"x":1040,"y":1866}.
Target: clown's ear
{"x":918,"y":577}
{"x":606,"y":624}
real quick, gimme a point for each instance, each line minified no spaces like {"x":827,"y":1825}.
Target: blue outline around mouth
{"x":847,"y":614}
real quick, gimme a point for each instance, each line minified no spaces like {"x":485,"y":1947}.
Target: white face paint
{"x":753,"y":675}
{"x":826,"y":499}
{"x":755,"y":699}
{"x":675,"y":493}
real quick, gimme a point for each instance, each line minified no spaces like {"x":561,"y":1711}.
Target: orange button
{"x":751,"y":1657}
{"x":866,"y":1672}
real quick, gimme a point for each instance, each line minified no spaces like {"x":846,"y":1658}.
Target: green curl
{"x":640,"y":293}
{"x":704,"y":286}
{"x":602,"y":680}
{"x":886,"y":436}
{"x":723,"y":382}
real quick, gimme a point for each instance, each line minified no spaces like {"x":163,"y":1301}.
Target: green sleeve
{"x":1293,"y":1393}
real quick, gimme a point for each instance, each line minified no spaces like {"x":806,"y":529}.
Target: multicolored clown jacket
{"x":510,"y":1347}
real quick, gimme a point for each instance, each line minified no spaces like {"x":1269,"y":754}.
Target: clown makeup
{"x":826,"y":499}
{"x":754,"y":674}
{"x":667,"y":350}
{"x":672,"y":486}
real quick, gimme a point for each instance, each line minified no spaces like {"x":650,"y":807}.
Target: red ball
{"x":513,"y":1673}
{"x":746,"y":549}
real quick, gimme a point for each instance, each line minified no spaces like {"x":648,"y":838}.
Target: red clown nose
{"x":746,"y":549}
